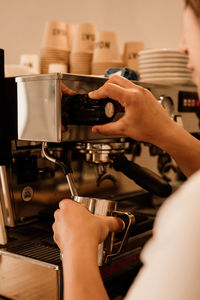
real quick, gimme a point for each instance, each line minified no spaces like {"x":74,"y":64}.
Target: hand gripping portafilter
{"x":98,"y":207}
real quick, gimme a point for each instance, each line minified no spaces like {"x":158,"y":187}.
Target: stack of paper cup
{"x":71,"y":34}
{"x":55,"y":45}
{"x":106,"y":53}
{"x":82,"y":49}
{"x":31,"y":61}
{"x":130,"y":55}
{"x":57,"y":68}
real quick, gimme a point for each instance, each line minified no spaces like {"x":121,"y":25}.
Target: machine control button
{"x":178,"y":119}
{"x":109,"y":109}
{"x":167,"y":104}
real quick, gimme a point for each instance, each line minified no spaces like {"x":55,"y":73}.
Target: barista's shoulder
{"x":192,"y":183}
{"x":189,"y":191}
{"x":183,"y":202}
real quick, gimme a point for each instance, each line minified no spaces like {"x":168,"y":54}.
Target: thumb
{"x":114,"y":224}
{"x":113,"y":128}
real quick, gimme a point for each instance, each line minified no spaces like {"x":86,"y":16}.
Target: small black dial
{"x":79,"y":109}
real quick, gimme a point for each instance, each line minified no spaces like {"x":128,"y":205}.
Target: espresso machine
{"x":48,"y":152}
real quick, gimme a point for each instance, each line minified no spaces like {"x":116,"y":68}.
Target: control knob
{"x":79,"y":109}
{"x":167,"y":104}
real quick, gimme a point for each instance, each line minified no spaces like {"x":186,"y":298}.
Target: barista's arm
{"x":146,"y":120}
{"x":77,"y":233}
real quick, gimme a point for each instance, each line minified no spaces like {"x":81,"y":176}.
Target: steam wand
{"x":65,"y":168}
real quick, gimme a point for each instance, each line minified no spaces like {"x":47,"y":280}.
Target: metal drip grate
{"x":40,"y":248}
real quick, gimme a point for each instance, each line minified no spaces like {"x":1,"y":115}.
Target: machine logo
{"x":27,"y":194}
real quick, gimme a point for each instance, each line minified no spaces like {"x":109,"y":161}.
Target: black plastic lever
{"x":142,"y":176}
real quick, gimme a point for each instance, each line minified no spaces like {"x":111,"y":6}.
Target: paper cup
{"x":106,"y":47}
{"x":84,"y":38}
{"x":71,"y":34}
{"x":55,"y":36}
{"x":130,"y":55}
{"x":52,"y":56}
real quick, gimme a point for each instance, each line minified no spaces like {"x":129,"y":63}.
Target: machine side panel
{"x":21,"y":280}
{"x":39,"y":111}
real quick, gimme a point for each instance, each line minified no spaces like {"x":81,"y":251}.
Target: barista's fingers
{"x":68,"y":203}
{"x":116,"y":80}
{"x":65,"y":203}
{"x":114,"y":128}
{"x":56,"y":213}
{"x":54,"y":229}
{"x":66,"y":90}
{"x":110,"y":90}
{"x":114,"y":224}
{"x":121,"y":81}
{"x":84,"y":205}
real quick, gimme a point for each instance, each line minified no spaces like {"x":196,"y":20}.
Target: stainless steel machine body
{"x":39,"y":106}
{"x":31,"y":186}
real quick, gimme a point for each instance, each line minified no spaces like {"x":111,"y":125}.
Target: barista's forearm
{"x":183,"y":147}
{"x":82,"y":279}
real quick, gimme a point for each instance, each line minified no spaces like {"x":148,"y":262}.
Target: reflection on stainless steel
{"x":71,"y":183}
{"x":98,"y":152}
{"x":3,"y":234}
{"x":9,"y":214}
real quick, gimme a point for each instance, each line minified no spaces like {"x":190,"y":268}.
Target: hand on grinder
{"x":144,"y":118}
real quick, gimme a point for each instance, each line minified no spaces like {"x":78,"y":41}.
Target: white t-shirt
{"x":171,"y":258}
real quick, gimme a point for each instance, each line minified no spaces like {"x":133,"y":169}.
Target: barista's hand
{"x":74,"y":224}
{"x":144,"y":119}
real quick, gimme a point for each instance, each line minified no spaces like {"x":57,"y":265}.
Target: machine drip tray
{"x":35,"y":240}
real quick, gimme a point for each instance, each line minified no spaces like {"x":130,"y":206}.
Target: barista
{"x":171,"y":263}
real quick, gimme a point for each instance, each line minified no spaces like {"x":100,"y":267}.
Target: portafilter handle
{"x":144,"y":177}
